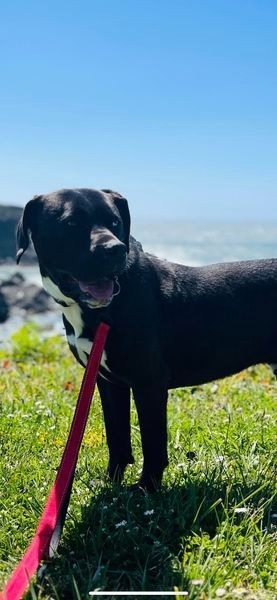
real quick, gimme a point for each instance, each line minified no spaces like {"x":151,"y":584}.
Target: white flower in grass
{"x":219,"y":459}
{"x":240,"y":591}
{"x":121,"y":524}
{"x":148,"y":512}
{"x":241,"y":510}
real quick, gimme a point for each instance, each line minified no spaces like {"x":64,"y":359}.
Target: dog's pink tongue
{"x":102,"y":290}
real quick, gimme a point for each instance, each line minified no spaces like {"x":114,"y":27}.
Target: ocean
{"x":201,"y":243}
{"x":190,"y":243}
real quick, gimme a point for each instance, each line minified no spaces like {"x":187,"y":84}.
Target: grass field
{"x":211,"y":531}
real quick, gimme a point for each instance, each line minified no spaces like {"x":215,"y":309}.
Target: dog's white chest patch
{"x":82,"y":345}
{"x":73,"y":315}
{"x":53,"y":290}
{"x":104,"y":360}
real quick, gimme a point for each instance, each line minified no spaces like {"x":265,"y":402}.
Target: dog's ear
{"x":122,"y":206}
{"x":26,"y":225}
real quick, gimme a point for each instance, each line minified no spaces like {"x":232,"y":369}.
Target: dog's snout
{"x":116,"y":249}
{"x":110,"y":250}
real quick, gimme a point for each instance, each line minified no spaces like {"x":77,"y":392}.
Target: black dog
{"x":171,"y":325}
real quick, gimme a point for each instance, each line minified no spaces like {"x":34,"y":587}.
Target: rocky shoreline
{"x":9,"y":218}
{"x":22,"y":301}
{"x":17,"y":294}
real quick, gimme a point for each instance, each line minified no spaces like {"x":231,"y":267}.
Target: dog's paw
{"x":116,"y":473}
{"x":116,"y":469}
{"x":147,"y":483}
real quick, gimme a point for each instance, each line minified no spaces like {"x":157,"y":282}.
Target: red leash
{"x":50,"y":525}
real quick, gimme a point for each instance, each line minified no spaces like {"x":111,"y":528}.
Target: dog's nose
{"x":115,"y":249}
{"x":110,"y":250}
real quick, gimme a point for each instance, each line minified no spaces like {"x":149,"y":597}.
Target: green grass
{"x":210,"y":531}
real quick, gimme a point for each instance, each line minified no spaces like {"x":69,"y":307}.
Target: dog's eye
{"x":115,"y":224}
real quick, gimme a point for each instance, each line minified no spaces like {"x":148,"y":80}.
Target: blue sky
{"x":173,"y":103}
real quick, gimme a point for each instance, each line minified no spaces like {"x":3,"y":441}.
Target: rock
{"x":15,"y":279}
{"x":34,"y":299}
{"x":4,"y":309}
{"x":9,"y":217}
{"x":25,"y":296}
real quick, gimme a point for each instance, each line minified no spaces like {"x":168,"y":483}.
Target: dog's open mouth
{"x":101,"y":290}
{"x":96,"y":293}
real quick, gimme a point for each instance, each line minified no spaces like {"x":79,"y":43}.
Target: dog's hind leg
{"x":115,"y":398}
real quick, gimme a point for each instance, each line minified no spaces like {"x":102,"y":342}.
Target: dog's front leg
{"x":115,"y":400}
{"x":151,"y":404}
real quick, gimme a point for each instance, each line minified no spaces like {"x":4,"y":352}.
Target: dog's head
{"x":81,"y":238}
